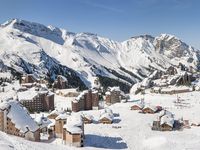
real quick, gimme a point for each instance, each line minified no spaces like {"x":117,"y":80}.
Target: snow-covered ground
{"x":130,"y":130}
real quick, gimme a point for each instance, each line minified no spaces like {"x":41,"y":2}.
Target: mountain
{"x":48,"y":51}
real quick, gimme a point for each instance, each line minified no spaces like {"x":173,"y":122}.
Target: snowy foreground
{"x":130,"y":130}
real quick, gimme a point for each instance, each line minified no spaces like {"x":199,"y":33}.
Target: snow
{"x":115,"y":88}
{"x":42,"y":121}
{"x":5,"y":75}
{"x":29,"y":41}
{"x":63,"y":103}
{"x":4,"y":105}
{"x":73,"y":129}
{"x":75,"y":120}
{"x":21,"y":118}
{"x":167,"y":120}
{"x":135,"y":131}
{"x":27,"y":95}
{"x":66,"y":91}
{"x":90,"y":117}
{"x":62,"y":116}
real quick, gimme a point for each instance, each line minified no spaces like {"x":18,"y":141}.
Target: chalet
{"x":54,"y":114}
{"x":87,"y":119}
{"x":73,"y":131}
{"x":15,"y":120}
{"x":165,"y":121}
{"x":149,"y":109}
{"x":138,"y":106}
{"x":46,"y":128}
{"x":106,"y":116}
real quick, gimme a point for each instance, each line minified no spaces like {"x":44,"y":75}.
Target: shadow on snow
{"x":104,"y":142}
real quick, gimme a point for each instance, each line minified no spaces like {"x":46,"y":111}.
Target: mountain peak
{"x":144,"y":36}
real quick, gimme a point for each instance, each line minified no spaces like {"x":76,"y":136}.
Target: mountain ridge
{"x":90,"y":55}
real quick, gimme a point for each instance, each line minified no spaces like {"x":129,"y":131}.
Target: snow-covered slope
{"x":35,"y":48}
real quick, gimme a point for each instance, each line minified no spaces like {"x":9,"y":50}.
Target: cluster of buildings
{"x":161,"y":82}
{"x":16,"y":120}
{"x":171,"y":89}
{"x":146,"y":108}
{"x":87,"y":100}
{"x":34,"y":96}
{"x":70,"y":128}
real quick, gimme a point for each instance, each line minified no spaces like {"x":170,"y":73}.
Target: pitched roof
{"x":167,"y":120}
{"x":21,"y":118}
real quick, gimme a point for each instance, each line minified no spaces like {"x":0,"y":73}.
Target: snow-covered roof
{"x":75,"y":120}
{"x":21,"y":118}
{"x":154,"y":108}
{"x":57,"y":112}
{"x":94,"y":91}
{"x":108,"y":93}
{"x":89,"y":117}
{"x":53,"y":122}
{"x":165,"y":112}
{"x":27,"y":95}
{"x":4,"y":105}
{"x":167,"y":120}
{"x":115,"y":88}
{"x":73,"y":129}
{"x":74,"y":124}
{"x":42,"y":121}
{"x":107,"y":115}
{"x":81,"y":95}
{"x":62,"y":116}
{"x":140,"y":105}
{"x":66,"y":91}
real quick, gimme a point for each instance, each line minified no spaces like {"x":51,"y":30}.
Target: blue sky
{"x":115,"y":19}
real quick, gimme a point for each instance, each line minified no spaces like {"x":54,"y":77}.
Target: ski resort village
{"x":61,"y":90}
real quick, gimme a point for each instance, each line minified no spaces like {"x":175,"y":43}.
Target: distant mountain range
{"x":28,"y":47}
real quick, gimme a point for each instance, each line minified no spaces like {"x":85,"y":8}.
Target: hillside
{"x":47,"y":51}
